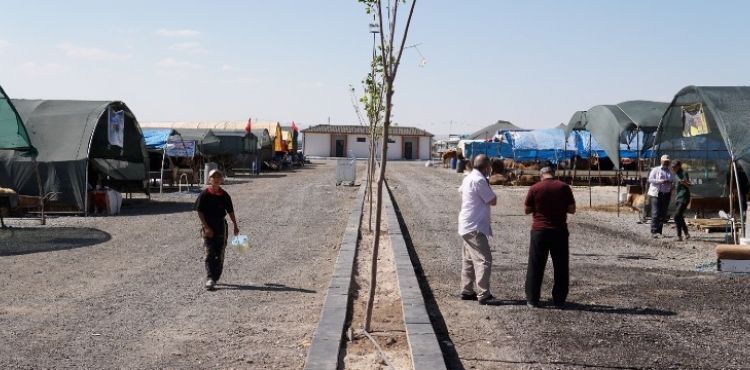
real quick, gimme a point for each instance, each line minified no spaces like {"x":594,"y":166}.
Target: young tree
{"x":387,"y":58}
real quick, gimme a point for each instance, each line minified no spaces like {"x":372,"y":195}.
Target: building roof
{"x":364,"y":130}
{"x":489,"y":132}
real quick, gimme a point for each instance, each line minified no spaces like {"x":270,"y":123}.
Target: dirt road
{"x":636,"y":303}
{"x":127,"y":291}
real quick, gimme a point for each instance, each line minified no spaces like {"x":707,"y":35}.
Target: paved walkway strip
{"x":423,"y":343}
{"x":325,"y":348}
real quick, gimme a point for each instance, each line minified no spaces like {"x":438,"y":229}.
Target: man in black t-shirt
{"x":213,"y":204}
{"x":549,"y":201}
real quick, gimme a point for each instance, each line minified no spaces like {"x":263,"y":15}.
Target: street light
{"x":374,"y":30}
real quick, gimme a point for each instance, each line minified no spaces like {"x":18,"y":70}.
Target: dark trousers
{"x":214,"y":248}
{"x":679,"y":217}
{"x":544,"y":243}
{"x":659,"y":209}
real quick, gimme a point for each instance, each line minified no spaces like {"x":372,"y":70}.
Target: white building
{"x":342,"y":141}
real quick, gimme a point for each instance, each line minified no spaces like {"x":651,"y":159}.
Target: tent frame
{"x":42,"y":195}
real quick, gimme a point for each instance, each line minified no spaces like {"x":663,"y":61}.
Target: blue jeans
{"x":659,"y":209}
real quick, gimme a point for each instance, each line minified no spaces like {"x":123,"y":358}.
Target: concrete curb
{"x":423,"y":344}
{"x":325,"y":349}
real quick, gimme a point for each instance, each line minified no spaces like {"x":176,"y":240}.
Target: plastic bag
{"x":241,"y":242}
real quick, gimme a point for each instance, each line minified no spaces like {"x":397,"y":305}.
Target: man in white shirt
{"x":474,"y":227}
{"x":661,"y":181}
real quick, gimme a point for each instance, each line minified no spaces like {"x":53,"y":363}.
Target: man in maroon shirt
{"x":549,"y":201}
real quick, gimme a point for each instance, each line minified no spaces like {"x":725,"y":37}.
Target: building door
{"x":408,"y":150}
{"x":338,"y":146}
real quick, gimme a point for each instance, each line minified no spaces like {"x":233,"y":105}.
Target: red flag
{"x":249,"y":125}
{"x":294,"y":127}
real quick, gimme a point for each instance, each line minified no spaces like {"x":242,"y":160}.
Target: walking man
{"x":213,"y":204}
{"x":661,"y":183}
{"x":549,"y":201}
{"x":474,"y":227}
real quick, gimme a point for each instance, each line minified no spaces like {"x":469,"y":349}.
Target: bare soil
{"x":127,"y":291}
{"x":387,"y":324}
{"x":635,"y":302}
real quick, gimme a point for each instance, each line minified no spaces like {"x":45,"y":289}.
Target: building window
{"x":361,"y":139}
{"x":391,"y":141}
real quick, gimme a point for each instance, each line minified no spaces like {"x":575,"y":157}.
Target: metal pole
{"x":589,"y":169}
{"x":41,"y":189}
{"x":739,"y":197}
{"x":86,"y":192}
{"x":618,"y":191}
{"x":729,"y":187}
{"x":161,"y":173}
{"x":638,"y":165}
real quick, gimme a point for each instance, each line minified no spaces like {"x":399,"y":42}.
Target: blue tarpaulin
{"x":491,"y":149}
{"x":543,"y":145}
{"x":582,"y":145}
{"x":156,"y":138}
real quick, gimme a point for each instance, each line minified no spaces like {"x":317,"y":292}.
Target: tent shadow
{"x":19,"y":241}
{"x":156,"y":208}
{"x":268,"y":287}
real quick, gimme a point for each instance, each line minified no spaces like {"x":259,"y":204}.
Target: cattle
{"x":526,"y":180}
{"x":498,"y":166}
{"x":447,"y":156}
{"x":529,"y":167}
{"x":498,"y":179}
{"x":636,"y":201}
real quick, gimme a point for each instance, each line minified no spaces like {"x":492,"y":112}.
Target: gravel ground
{"x":636,"y":303}
{"x":127,"y":291}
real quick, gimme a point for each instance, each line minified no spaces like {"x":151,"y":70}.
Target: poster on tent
{"x":116,"y":127}
{"x":181,"y":148}
{"x":694,"y":121}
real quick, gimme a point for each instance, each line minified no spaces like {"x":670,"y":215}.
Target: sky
{"x":533,"y":63}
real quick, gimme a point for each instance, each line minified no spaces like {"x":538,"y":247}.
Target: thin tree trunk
{"x":370,"y":173}
{"x":379,"y":206}
{"x":390,"y":68}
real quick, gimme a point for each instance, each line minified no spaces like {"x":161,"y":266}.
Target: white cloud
{"x":5,"y":44}
{"x":227,"y":67}
{"x":40,"y":69}
{"x":189,"y":47}
{"x":180,"y":64}
{"x":92,"y":54}
{"x":177,"y":33}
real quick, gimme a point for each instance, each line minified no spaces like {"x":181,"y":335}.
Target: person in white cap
{"x":661,"y":182}
{"x":213,"y":204}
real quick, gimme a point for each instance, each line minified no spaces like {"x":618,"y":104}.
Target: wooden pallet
{"x":710,"y":224}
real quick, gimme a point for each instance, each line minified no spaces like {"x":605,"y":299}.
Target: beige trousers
{"x":476,"y":265}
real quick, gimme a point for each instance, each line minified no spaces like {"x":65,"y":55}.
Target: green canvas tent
{"x":710,"y":127}
{"x":612,"y":125}
{"x":13,"y":135}
{"x":75,"y":148}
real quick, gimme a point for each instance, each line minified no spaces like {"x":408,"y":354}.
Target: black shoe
{"x":468,"y":297}
{"x":559,"y":305}
{"x":530,"y":304}
{"x":489,"y":299}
